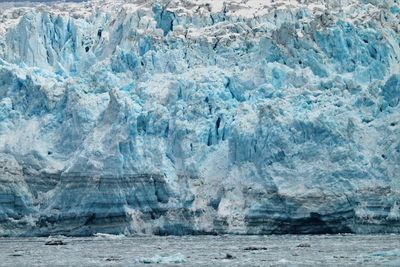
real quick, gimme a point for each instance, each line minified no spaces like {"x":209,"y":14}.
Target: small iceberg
{"x":58,"y":240}
{"x":176,"y":258}
{"x":387,"y":253}
{"x":109,"y":236}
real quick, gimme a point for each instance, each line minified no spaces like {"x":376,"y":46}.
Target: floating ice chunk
{"x":176,"y":258}
{"x":387,"y":253}
{"x":109,"y":236}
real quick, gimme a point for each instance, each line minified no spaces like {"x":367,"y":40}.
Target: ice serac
{"x":200,"y":117}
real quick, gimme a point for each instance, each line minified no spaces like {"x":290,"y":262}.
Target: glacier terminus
{"x":200,"y":117}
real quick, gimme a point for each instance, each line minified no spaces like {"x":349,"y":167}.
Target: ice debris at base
{"x":200,"y":117}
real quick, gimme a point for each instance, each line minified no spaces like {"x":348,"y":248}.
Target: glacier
{"x":200,"y":117}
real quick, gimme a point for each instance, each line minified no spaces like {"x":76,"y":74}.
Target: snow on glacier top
{"x":10,"y":12}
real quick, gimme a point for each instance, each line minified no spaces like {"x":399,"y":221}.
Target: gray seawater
{"x":287,"y":250}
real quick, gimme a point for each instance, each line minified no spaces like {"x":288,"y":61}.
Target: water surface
{"x":105,"y":250}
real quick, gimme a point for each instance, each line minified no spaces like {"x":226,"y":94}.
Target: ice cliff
{"x":200,"y":117}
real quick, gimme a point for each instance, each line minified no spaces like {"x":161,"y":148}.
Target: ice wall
{"x":194,"y":117}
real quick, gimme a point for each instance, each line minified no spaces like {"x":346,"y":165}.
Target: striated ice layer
{"x":200,"y":117}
